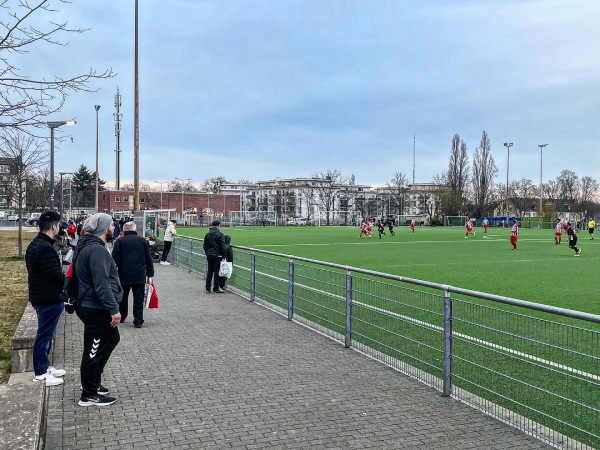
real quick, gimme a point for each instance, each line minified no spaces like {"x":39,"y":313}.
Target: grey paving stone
{"x":216,"y":372}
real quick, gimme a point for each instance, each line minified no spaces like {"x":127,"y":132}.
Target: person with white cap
{"x":100,"y":294}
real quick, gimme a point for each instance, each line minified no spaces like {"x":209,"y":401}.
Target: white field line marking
{"x":460,"y":335}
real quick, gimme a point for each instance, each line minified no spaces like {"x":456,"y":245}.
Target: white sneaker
{"x":50,"y":379}
{"x":166,"y":263}
{"x":56,"y":372}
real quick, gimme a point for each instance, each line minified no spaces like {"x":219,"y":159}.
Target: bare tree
{"x":484,"y":172}
{"x":26,"y":155}
{"x":457,"y":175}
{"x":178,"y":186}
{"x":552,"y":193}
{"x":25,"y":102}
{"x":588,"y":187}
{"x":398,"y":187}
{"x":524,"y":194}
{"x":568,"y":183}
{"x":327,"y":185}
{"x":214,"y":184}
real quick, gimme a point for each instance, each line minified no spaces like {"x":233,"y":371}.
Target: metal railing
{"x":532,"y":366}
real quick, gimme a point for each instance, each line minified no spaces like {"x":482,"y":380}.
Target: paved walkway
{"x":214,"y":371}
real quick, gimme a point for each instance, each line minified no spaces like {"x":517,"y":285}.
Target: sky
{"x":258,"y":89}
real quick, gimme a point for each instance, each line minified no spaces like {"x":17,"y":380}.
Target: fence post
{"x":291,"y":289}
{"x":447,"y":373}
{"x":252,"y":276}
{"x":348,"y":334}
{"x":191,"y":251}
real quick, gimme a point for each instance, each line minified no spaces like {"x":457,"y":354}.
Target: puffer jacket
{"x":170,"y":232}
{"x":98,"y":284}
{"x":44,"y":274}
{"x":132,"y":257}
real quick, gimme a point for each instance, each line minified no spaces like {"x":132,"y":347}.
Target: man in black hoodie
{"x":45,"y":279}
{"x":132,"y":257}
{"x":100,"y":293}
{"x":214,"y":249}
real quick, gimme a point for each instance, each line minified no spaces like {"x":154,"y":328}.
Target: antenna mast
{"x":414,"y":143}
{"x":118,"y":118}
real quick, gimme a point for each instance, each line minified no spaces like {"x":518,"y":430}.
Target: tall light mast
{"x":118,"y":119}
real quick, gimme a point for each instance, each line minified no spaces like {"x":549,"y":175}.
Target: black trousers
{"x":138,"y":302}
{"x":166,"y":250}
{"x":99,"y":341}
{"x":212,"y":273}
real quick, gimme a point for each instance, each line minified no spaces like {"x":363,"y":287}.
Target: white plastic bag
{"x":225,"y":269}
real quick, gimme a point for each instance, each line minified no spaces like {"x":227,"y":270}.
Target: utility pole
{"x":118,"y":119}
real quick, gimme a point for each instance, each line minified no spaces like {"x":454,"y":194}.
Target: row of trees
{"x":471,"y":188}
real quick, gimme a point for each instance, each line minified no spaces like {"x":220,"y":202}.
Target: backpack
{"x":69,"y":292}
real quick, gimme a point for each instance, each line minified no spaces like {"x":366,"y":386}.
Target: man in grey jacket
{"x":100,"y":293}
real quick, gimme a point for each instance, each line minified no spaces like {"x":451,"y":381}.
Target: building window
{"x":142,"y":200}
{"x":117,"y":199}
{"x":126,"y":199}
{"x":4,"y":168}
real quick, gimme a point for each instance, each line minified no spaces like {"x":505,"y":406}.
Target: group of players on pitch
{"x":559,"y":226}
{"x":366,"y":230}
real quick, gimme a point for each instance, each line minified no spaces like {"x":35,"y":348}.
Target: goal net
{"x":455,"y":221}
{"x":404,"y":220}
{"x":252,"y":218}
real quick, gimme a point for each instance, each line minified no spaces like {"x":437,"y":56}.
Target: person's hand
{"x":148,"y":280}
{"x":116,"y":320}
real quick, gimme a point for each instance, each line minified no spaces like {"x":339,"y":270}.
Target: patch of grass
{"x":13,"y":295}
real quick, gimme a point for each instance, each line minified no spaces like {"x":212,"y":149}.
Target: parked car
{"x":297,"y":221}
{"x":12,"y":217}
{"x":256,"y":221}
{"x":33,"y":219}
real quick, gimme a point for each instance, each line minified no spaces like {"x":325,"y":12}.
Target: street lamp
{"x":508,"y":145}
{"x":52,"y":126}
{"x":161,"y":183}
{"x":62,"y":203}
{"x":182,"y":193}
{"x":541,"y":146}
{"x":97,"y":108}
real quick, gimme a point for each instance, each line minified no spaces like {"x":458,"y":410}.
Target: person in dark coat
{"x":228,"y":258}
{"x":100,"y":293}
{"x":214,"y":249}
{"x":134,"y":261}
{"x":45,"y":280}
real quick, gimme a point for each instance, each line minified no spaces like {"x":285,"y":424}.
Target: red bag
{"x":153,"y":303}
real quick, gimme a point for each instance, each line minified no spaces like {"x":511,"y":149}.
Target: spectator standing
{"x":100,"y":294}
{"x":591,"y":226}
{"x":45,"y":280}
{"x":214,"y":249}
{"x":170,"y":234}
{"x":117,"y":227}
{"x":134,"y":262}
{"x":228,"y":258}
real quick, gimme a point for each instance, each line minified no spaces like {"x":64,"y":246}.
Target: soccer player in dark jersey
{"x":390,"y":224}
{"x":573,"y":239}
{"x":380,"y":228}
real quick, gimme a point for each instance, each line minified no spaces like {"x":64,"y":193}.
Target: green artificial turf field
{"x":539,"y":271}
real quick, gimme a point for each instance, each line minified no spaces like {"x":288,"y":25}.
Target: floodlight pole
{"x":52,"y":126}
{"x":508,"y":145}
{"x":541,"y":146}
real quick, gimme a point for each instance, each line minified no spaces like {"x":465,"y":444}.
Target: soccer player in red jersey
{"x":485,"y":225}
{"x":469,"y":227}
{"x":412,"y":224}
{"x":514,"y":234}
{"x":558,"y":227}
